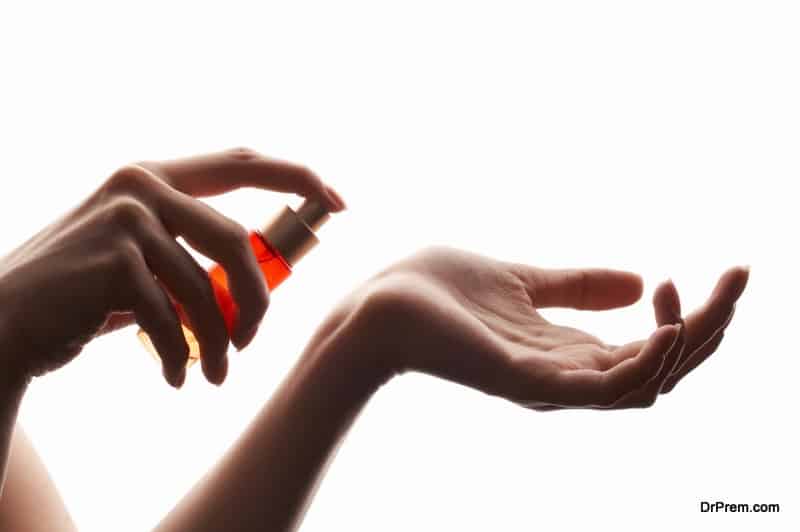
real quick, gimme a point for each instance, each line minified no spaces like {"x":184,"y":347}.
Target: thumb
{"x":584,"y":289}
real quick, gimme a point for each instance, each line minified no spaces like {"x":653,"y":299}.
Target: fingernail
{"x":330,"y":197}
{"x":335,"y":198}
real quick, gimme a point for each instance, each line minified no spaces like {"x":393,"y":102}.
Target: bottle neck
{"x":289,"y":235}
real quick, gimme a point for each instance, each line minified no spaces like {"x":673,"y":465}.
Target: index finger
{"x":216,"y":173}
{"x":714,"y":315}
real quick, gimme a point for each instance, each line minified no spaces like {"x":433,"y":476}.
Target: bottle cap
{"x":291,"y":232}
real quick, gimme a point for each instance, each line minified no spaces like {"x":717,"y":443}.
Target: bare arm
{"x":12,"y":389}
{"x":456,"y":315}
{"x":30,"y":501}
{"x":462,"y":317}
{"x":266,"y":481}
{"x":115,"y":257}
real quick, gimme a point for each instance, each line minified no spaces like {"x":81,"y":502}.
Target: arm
{"x":28,"y":498}
{"x":12,"y":389}
{"x":13,"y":385}
{"x":116,"y":259}
{"x":267,"y":479}
{"x":464,"y":318}
{"x":30,"y":501}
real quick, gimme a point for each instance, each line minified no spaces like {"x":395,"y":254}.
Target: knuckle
{"x":127,"y":212}
{"x":578,"y":280}
{"x":433,"y":253}
{"x":237,"y":240}
{"x":308,"y":174}
{"x":308,"y":179}
{"x":127,"y":255}
{"x":129,"y":178}
{"x":242,"y":153}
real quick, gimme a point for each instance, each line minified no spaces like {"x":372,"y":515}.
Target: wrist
{"x":11,"y":370}
{"x":12,"y":374}
{"x":355,"y":350}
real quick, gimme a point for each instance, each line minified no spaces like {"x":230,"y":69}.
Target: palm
{"x":477,"y":321}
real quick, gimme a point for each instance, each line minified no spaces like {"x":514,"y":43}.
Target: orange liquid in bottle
{"x":274,"y":268}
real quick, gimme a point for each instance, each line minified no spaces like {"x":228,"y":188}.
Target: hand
{"x":474,"y":320}
{"x":114,"y":259}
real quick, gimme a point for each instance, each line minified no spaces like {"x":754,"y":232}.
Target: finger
{"x":157,"y":316}
{"x":667,"y":304}
{"x":703,"y":323}
{"x":190,"y":285}
{"x":583,"y":387}
{"x":583,"y":289}
{"x":646,"y":395}
{"x":228,"y":243}
{"x":692,"y":361}
{"x":217,"y":173}
{"x":624,"y":352}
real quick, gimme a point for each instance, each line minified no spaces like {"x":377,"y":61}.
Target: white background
{"x":660,"y":137}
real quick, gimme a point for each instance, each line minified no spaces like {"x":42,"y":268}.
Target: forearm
{"x":13,"y":381}
{"x":12,"y":389}
{"x":267,"y":479}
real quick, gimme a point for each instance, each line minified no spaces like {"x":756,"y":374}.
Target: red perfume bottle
{"x":278,"y":246}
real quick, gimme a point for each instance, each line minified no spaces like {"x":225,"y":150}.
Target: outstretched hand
{"x":475,"y":321}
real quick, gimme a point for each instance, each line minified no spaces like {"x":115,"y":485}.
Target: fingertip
{"x":180,"y":377}
{"x":637,"y":285}
{"x":215,"y":373}
{"x":244,"y":338}
{"x":667,"y":303}
{"x":222,"y":371}
{"x":744,"y":277}
{"x":174,"y":377}
{"x":612,"y":288}
{"x":732,"y":283}
{"x":335,"y":199}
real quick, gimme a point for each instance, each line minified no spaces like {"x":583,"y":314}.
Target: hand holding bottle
{"x":474,"y":320}
{"x":114,"y":260}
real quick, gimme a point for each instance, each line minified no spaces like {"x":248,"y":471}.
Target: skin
{"x":456,"y":315}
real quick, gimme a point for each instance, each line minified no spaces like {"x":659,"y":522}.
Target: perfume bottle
{"x":278,"y":246}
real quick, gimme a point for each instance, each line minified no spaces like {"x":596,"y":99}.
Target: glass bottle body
{"x":274,"y":269}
